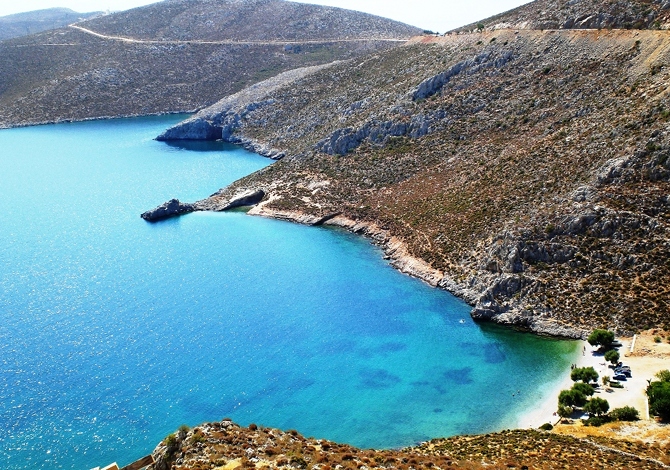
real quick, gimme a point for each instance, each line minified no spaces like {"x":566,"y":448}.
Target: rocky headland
{"x":527,"y":169}
{"x":171,"y":208}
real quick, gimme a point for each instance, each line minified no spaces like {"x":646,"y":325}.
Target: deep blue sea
{"x":114,"y":331}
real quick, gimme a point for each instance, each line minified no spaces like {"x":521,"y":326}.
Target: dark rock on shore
{"x":168,"y":209}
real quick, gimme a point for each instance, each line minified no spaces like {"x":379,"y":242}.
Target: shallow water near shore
{"x":113,"y":331}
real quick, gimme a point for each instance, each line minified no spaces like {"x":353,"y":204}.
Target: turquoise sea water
{"x":113,"y":331}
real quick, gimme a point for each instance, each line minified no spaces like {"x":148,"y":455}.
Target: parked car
{"x":619,"y":377}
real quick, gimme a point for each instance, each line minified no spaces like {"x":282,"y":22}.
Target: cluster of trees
{"x":604,"y":339}
{"x":578,"y":396}
{"x":658,"y":393}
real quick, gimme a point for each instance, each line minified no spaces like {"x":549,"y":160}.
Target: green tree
{"x":585,"y":374}
{"x":564,"y":411}
{"x":586,"y":389}
{"x":663,"y":376}
{"x":597,"y":406}
{"x":612,"y":356}
{"x":603,"y":338}
{"x":626,"y":413}
{"x":659,"y":399}
{"x":572,"y":398}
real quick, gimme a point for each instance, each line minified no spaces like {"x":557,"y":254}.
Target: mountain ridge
{"x":24,"y":24}
{"x":248,"y":20}
{"x":77,"y":74}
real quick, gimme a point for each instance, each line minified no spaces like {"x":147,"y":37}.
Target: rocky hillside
{"x":177,"y":55}
{"x":526,"y":171}
{"x":581,"y":14}
{"x":24,"y":24}
{"x":225,"y":445}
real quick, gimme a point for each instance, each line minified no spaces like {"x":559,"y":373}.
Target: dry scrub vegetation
{"x":227,"y":446}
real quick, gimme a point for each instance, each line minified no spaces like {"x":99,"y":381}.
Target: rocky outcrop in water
{"x":171,"y":208}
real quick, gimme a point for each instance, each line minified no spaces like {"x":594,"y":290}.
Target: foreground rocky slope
{"x":225,"y":445}
{"x":525,"y":171}
{"x":178,"y":55}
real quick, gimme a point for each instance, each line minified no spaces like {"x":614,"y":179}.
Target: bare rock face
{"x":168,"y":209}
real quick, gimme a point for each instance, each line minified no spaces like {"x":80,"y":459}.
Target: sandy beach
{"x":645,"y":360}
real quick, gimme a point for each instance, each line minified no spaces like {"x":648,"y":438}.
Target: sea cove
{"x":113,"y":331}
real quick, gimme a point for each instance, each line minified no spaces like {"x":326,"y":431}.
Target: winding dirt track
{"x":228,"y":41}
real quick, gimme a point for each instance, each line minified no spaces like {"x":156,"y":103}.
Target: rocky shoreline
{"x":424,"y":142}
{"x":394,"y":248}
{"x":397,"y":252}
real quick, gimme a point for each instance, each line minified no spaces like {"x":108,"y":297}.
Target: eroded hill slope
{"x":529,"y":170}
